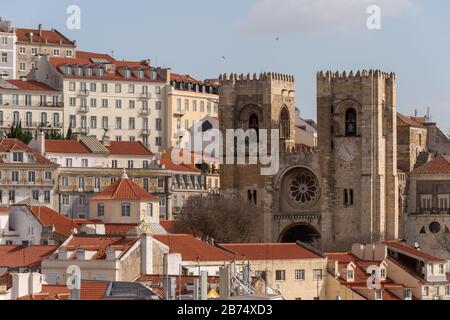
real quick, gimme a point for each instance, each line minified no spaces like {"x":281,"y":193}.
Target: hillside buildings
{"x":8,"y":39}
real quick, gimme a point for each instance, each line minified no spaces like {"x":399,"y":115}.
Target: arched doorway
{"x":300,"y":232}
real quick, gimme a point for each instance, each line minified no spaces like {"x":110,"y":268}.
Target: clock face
{"x":347,"y":151}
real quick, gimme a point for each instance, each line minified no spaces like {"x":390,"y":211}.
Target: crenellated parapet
{"x":235,"y":78}
{"x":360,"y":74}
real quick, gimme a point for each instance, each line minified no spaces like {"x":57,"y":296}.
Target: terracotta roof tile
{"x":184,"y":78}
{"x":440,"y":165}
{"x":86,"y":55}
{"x":192,"y":249}
{"x":31,"y":85}
{"x":50,"y":36}
{"x":125,"y":189}
{"x":93,"y":290}
{"x":412,"y":251}
{"x":100,"y":244}
{"x":118,"y":229}
{"x":64,"y":146}
{"x":8,"y":145}
{"x":271,"y":251}
{"x":48,"y":217}
{"x":408,"y":121}
{"x":128,"y":148}
{"x":20,"y":256}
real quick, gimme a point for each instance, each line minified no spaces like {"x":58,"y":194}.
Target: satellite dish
{"x":74,"y":231}
{"x":417,"y":245}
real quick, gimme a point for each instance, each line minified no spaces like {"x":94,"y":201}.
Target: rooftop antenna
{"x":428,"y":113}
{"x":112,"y":53}
{"x":415,"y":112}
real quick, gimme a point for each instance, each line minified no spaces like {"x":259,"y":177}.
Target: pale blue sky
{"x":193,"y":36}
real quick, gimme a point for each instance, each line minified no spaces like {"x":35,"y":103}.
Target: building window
{"x":65,"y":181}
{"x":100,"y":210}
{"x":145,"y":164}
{"x":22,"y":50}
{"x":317,"y":274}
{"x":118,"y":88}
{"x":158,"y":141}
{"x":104,"y":87}
{"x":447,"y":290}
{"x":350,"y":274}
{"x":118,"y":104}
{"x":149,"y":209}
{"x":378,"y":295}
{"x":31,"y":177}
{"x":350,"y":122}
{"x":18,"y":157}
{"x":130,"y":164}
{"x":280,"y":275}
{"x":22,"y":66}
{"x":426,"y":291}
{"x":441,"y":269}
{"x":82,"y":200}
{"x":132,"y":123}
{"x":158,"y":105}
{"x":47,"y":196}
{"x":119,"y":123}
{"x":97,"y":183}
{"x":15,"y":176}
{"x":81,"y":182}
{"x":300,"y":275}
{"x":348,"y":197}
{"x":85,"y":163}
{"x":65,"y":200}
{"x":114,"y":164}
{"x":69,"y":53}
{"x":12,"y":196}
{"x":383,"y":273}
{"x":35,"y":195}
{"x":48,"y":175}
{"x":425,"y":203}
{"x":285,"y":125}
{"x":105,"y":124}
{"x":69,"y":163}
{"x":443,"y":200}
{"x":94,"y":122}
{"x":56,"y":52}
{"x":126,"y":210}
{"x":145,"y":184}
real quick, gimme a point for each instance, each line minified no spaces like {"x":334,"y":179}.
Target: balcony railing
{"x":22,"y":104}
{"x":83,"y":109}
{"x":32,"y":125}
{"x":433,"y":211}
{"x":144,"y":112}
{"x":145,"y":95}
{"x":83,"y":130}
{"x":145,"y":132}
{"x":84,"y":93}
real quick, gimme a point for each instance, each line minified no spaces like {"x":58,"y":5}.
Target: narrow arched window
{"x":285,"y":125}
{"x":350,"y":122}
{"x":253,"y":123}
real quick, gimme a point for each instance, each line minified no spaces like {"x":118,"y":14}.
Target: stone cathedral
{"x":344,"y":192}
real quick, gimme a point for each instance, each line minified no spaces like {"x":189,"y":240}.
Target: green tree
{"x":16,"y":132}
{"x":69,"y":133}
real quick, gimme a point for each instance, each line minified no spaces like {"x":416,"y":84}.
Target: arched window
{"x":285,"y":125}
{"x":350,"y":122}
{"x":253,"y":123}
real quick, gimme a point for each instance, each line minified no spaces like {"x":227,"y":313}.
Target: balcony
{"x":22,"y":104}
{"x":83,"y":109}
{"x":83,"y":130}
{"x":145,"y":96}
{"x":144,"y":112}
{"x":32,"y":125}
{"x":432,"y":211}
{"x":145,"y":132}
{"x":84,"y":93}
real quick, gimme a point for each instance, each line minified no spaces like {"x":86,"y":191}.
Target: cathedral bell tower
{"x":357,"y":138}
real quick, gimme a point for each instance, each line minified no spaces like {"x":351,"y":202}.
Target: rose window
{"x":302,"y":188}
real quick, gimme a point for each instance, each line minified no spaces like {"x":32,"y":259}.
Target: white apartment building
{"x":106,"y":97}
{"x":25,"y":176}
{"x":7,"y":50}
{"x":32,"y":104}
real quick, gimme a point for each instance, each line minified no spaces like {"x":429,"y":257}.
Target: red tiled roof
{"x":30,"y":85}
{"x":167,"y":225}
{"x":118,"y":229}
{"x":155,"y":282}
{"x":408,"y":121}
{"x":20,"y":256}
{"x":129,"y":148}
{"x":169,"y":164}
{"x":271,"y":251}
{"x":65,"y":146}
{"x":403,"y":248}
{"x":93,"y":290}
{"x":184,"y":78}
{"x":90,"y":290}
{"x":48,"y":217}
{"x":100,"y":244}
{"x":50,"y":36}
{"x":125,"y":189}
{"x":8,"y":145}
{"x":192,"y":249}
{"x":86,"y":55}
{"x":440,"y":165}
{"x":85,"y":60}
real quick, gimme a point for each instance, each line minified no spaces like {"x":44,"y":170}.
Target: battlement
{"x":360,"y":74}
{"x":267,"y":77}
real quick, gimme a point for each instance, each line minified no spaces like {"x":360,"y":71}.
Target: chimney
{"x":62,"y":253}
{"x":31,"y":37}
{"x":106,"y":140}
{"x":34,"y":283}
{"x":40,"y":30}
{"x":80,"y":254}
{"x":111,"y":254}
{"x":19,"y":285}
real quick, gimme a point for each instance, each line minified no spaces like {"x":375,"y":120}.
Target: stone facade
{"x":305,"y":199}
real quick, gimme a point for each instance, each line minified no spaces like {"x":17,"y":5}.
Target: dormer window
{"x":140,"y":74}
{"x":79,"y":71}
{"x":127,"y":73}
{"x":68,"y":70}
{"x":18,"y":157}
{"x":350,"y":274}
{"x":100,"y":72}
{"x":383,"y":273}
{"x":88,"y":72}
{"x":154,"y":75}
